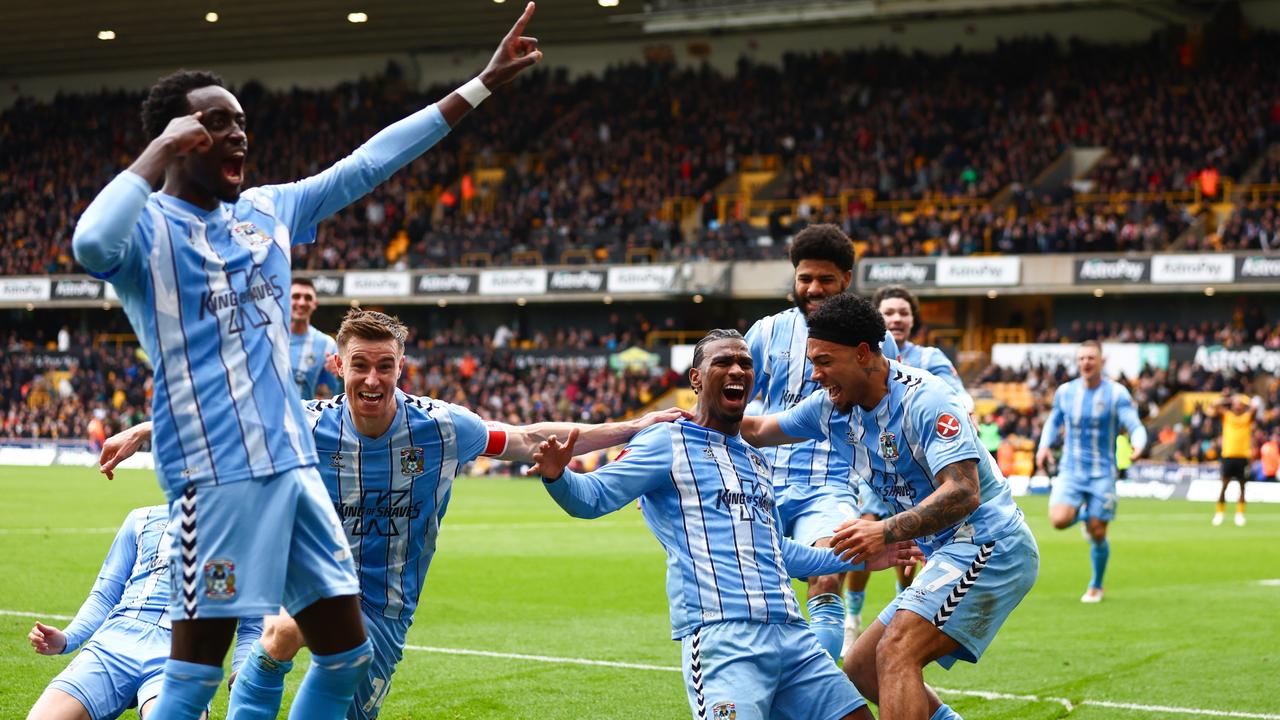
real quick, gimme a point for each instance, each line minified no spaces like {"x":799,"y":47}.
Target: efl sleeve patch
{"x":947,"y":427}
{"x":497,"y":442}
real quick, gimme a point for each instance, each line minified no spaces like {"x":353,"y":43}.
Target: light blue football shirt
{"x":207,"y":294}
{"x":307,"y":353}
{"x":1092,"y":419}
{"x":784,"y":377}
{"x":391,"y":491}
{"x":708,"y":499}
{"x":933,"y":360}
{"x":918,"y":428}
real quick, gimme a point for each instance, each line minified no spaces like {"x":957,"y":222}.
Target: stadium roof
{"x":51,"y":38}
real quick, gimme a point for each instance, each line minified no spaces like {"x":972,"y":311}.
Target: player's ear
{"x":695,"y":380}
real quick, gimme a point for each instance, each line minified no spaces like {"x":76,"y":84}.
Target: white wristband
{"x":474,"y":92}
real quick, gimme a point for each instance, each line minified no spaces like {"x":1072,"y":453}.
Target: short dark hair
{"x":850,"y":317}
{"x":901,"y":293}
{"x":167,"y":99}
{"x":823,"y":242}
{"x":713,"y":336}
{"x":303,"y":281}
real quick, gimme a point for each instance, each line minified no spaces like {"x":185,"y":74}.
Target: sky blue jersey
{"x":931,"y":359}
{"x":391,"y":492}
{"x":784,"y":377}
{"x":134,"y":583}
{"x":207,"y":292}
{"x":307,"y":353}
{"x":1091,"y":418}
{"x":708,"y":499}
{"x":918,"y":428}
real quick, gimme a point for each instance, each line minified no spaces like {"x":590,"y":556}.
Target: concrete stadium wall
{"x":426,"y":69}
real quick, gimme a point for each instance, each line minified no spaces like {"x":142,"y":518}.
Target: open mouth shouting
{"x":369,"y":402}
{"x":233,"y":168}
{"x":734,"y":393}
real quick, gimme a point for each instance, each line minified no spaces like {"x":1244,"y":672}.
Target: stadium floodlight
{"x":357,"y":17}
{"x":106,"y":34}
{"x":211,"y":17}
{"x":608,"y":3}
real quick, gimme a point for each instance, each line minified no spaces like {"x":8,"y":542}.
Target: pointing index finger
{"x":518,"y":29}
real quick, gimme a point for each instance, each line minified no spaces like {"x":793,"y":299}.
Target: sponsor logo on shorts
{"x":724,"y":711}
{"x":220,"y":580}
{"x":411,"y":461}
{"x":948,"y":426}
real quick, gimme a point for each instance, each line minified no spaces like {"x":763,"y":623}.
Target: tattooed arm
{"x":957,"y":495}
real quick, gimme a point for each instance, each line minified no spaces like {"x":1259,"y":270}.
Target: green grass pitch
{"x":1187,"y":621}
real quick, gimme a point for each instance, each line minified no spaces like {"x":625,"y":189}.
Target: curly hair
{"x":901,"y":293}
{"x":852,"y":318}
{"x":167,"y":99}
{"x":712,"y":336}
{"x":823,"y":242}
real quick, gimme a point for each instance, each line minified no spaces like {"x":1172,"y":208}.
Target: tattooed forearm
{"x":958,"y":494}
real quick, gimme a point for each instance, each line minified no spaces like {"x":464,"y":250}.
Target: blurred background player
{"x":311,"y":352}
{"x":1238,"y":413}
{"x":906,"y":433}
{"x":811,"y":481}
{"x":708,"y":498}
{"x":1090,"y":411}
{"x":391,"y":489}
{"x":201,"y":271}
{"x":122,"y":630}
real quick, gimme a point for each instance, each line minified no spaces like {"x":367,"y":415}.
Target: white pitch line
{"x":1274,"y":582}
{"x":38,"y":616}
{"x":1068,"y":704}
{"x":58,"y":531}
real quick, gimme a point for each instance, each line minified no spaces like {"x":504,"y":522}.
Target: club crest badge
{"x":724,"y":711}
{"x":220,"y":580}
{"x":888,"y":446}
{"x":249,"y":235}
{"x":411,"y":461}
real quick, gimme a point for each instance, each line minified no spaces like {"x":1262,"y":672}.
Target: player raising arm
{"x":905,"y":432}
{"x":203,"y":272}
{"x":707,"y":497}
{"x":389,"y":463}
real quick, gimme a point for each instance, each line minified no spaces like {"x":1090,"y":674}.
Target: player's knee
{"x":1097,"y":530}
{"x":281,"y":638}
{"x":826,"y":584}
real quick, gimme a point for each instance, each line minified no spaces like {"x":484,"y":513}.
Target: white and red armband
{"x":497,"y":442}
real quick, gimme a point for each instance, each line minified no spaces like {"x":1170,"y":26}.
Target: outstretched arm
{"x":107,"y":591}
{"x":523,"y":440}
{"x":122,"y":446}
{"x":643,"y":466}
{"x":1049,"y":435}
{"x":1128,"y":416}
{"x":805,"y":561}
{"x":398,"y":144}
{"x":765,"y":431}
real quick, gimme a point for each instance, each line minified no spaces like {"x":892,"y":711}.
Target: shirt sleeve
{"x":1049,"y":435}
{"x":939,"y":364}
{"x":473,"y":435}
{"x":942,"y":428}
{"x":247,"y":631}
{"x":109,"y":587}
{"x":1128,"y":415}
{"x":757,"y":338}
{"x":803,"y":561}
{"x":110,"y":232}
{"x":810,"y":418}
{"x":889,"y":347}
{"x":644,"y":465}
{"x":303,"y":204}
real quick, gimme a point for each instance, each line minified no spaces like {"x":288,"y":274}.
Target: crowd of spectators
{"x":1251,"y":328}
{"x":591,"y":163}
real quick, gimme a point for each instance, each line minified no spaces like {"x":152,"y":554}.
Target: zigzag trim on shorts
{"x":961,"y":589}
{"x":695,"y":665}
{"x":187,"y":540}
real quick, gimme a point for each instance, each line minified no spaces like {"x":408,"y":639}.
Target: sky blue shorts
{"x":120,"y":667}
{"x":739,"y":670}
{"x":967,"y":591}
{"x":1097,"y":495}
{"x":387,"y":635}
{"x":869,"y":503}
{"x":259,"y":544}
{"x":812,"y":512}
